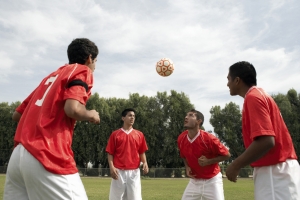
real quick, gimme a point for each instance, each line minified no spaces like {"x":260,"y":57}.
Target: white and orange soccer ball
{"x":164,"y":67}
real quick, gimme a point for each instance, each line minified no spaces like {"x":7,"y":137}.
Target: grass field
{"x":160,"y":189}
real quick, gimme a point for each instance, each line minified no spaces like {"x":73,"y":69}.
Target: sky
{"x":202,"y":38}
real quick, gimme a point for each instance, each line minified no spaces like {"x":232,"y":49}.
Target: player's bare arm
{"x":203,"y":161}
{"x":258,"y":148}
{"x":113,"y":171}
{"x":16,"y":116}
{"x":74,"y":109}
{"x":145,"y":164}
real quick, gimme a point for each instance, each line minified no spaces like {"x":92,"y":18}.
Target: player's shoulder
{"x":79,"y":69}
{"x":208,"y":135}
{"x":137,"y":131}
{"x":68,"y":70}
{"x":182,"y":135}
{"x":257,"y":95}
{"x":116,"y":131}
{"x":256,"y":92}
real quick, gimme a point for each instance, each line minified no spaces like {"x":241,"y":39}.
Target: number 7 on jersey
{"x":39,"y":102}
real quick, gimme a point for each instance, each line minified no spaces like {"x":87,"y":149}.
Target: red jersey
{"x":261,"y":116}
{"x":204,"y":144}
{"x":44,"y":129}
{"x":126,"y":148}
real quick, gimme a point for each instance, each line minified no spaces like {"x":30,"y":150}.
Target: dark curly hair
{"x":80,"y":49}
{"x":245,"y":71}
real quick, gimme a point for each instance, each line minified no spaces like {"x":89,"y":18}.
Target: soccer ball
{"x":164,"y":67}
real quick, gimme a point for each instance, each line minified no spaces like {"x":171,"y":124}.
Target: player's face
{"x":190,"y":121}
{"x":129,"y":118}
{"x":231,"y":84}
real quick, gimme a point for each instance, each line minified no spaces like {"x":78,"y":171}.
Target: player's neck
{"x":244,"y":89}
{"x":127,"y":127}
{"x":192,"y":133}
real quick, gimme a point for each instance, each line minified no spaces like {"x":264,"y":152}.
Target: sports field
{"x":160,"y":189}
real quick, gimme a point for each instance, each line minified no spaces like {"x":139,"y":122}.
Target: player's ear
{"x":199,"y":122}
{"x":89,"y":60}
{"x":237,"y":80}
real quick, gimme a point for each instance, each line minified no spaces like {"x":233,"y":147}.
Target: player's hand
{"x":95,"y":117}
{"x":114,"y":173}
{"x":145,"y":168}
{"x":232,"y":172}
{"x":189,"y":172}
{"x":203,"y":161}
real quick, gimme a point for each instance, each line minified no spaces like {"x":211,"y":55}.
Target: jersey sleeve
{"x":111,"y":145}
{"x":143,"y":146}
{"x":20,"y":109}
{"x":258,"y":112}
{"x":79,"y":85}
{"x":218,"y":147}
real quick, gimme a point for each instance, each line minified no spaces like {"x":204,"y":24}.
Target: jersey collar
{"x":192,"y":140}
{"x":127,"y":132}
{"x":250,"y":90}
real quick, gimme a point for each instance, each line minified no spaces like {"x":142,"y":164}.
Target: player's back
{"x":47,"y":100}
{"x":44,"y":128}
{"x":268,"y":121}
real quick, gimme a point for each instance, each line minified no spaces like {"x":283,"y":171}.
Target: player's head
{"x":241,"y":72}
{"x":193,"y":119}
{"x":83,"y":51}
{"x":128,"y":116}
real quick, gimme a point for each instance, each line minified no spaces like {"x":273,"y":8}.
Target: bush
{"x":243,"y":174}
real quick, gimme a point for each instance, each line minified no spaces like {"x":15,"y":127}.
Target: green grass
{"x":160,"y":189}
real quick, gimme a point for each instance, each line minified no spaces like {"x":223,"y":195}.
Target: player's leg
{"x":277,"y":182}
{"x":41,"y":184}
{"x":117,"y":187}
{"x":263,"y":183}
{"x":193,"y":190}
{"x":294,"y":172}
{"x":133,"y":185}
{"x":213,"y":188}
{"x":14,"y":184}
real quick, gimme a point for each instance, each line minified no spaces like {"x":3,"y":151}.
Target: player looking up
{"x":201,"y":153}
{"x":126,"y":149}
{"x":42,"y":165}
{"x":269,"y":147}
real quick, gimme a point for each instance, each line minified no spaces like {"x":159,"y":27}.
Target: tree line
{"x":160,"y":118}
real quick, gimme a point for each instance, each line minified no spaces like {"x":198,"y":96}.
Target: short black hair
{"x":199,"y":115}
{"x":80,"y":49}
{"x":124,"y":112}
{"x":245,"y":71}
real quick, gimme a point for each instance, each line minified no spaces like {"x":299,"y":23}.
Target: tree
{"x":289,"y":106}
{"x":160,"y":118}
{"x":90,"y":140}
{"x":228,"y":127}
{"x":178,"y":104}
{"x":7,"y":131}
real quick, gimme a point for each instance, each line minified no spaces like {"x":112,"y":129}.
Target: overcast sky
{"x":203,"y":38}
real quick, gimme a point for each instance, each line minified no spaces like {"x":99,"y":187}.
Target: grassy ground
{"x":160,"y":189}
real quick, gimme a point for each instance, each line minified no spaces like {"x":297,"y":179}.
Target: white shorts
{"x":277,"y":182}
{"x":127,"y":187}
{"x":205,"y":189}
{"x":26,"y":178}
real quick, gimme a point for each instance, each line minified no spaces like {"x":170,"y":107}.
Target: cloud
{"x":203,"y":38}
{"x":5,"y":67}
